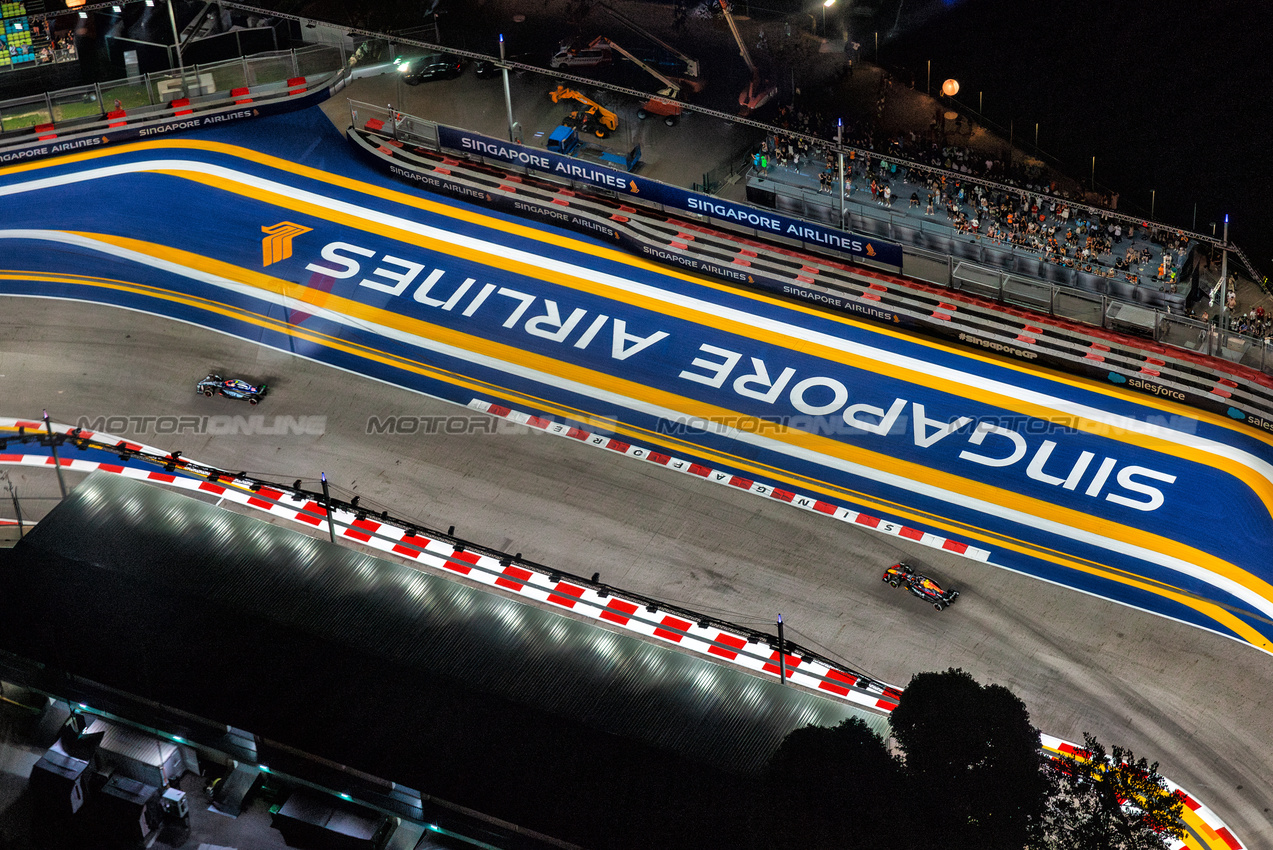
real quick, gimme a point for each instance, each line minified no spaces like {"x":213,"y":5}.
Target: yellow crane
{"x":593,"y":118}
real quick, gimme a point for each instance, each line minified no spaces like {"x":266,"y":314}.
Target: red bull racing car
{"x":230,"y":388}
{"x":920,"y":585}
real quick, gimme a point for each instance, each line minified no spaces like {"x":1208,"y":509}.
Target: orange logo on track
{"x":278,"y":244}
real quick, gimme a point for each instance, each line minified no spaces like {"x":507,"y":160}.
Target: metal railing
{"x":735,"y":165}
{"x":214,"y":80}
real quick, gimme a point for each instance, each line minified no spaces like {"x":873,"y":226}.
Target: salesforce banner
{"x":858,"y":245}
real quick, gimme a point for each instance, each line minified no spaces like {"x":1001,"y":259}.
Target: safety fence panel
{"x":998,"y":258}
{"x":976,"y":280}
{"x":131,"y":93}
{"x":966,"y":250}
{"x":275,"y":68}
{"x":926,"y":266}
{"x":403,"y":127}
{"x":1184,"y":333}
{"x":1084,"y":307}
{"x":24,"y":113}
{"x":319,"y":59}
{"x":1030,"y":294}
{"x":1245,"y":350}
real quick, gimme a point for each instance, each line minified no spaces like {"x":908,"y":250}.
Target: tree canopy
{"x":1108,"y":801}
{"x":972,"y":762}
{"x":831,"y":788}
{"x":972,"y":774}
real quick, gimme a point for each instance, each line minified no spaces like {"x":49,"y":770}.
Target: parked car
{"x":429,"y":66}
{"x":581,"y":57}
{"x":920,"y":585}
{"x":230,"y":388}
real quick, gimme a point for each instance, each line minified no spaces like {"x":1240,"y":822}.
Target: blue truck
{"x":565,"y":140}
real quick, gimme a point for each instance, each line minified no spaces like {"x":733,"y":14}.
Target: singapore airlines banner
{"x":814,"y":235}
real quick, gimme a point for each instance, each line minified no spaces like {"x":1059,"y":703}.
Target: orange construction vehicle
{"x":592,"y":119}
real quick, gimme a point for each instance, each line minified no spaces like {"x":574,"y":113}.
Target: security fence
{"x":215,"y":80}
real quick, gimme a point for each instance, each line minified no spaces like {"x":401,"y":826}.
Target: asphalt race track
{"x":1146,"y":503}
{"x":1084,"y":486}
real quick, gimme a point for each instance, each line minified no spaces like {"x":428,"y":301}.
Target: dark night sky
{"x":1168,"y":95}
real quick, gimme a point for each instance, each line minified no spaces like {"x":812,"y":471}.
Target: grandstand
{"x":16,"y":45}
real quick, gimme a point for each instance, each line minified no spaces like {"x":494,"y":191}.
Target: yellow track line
{"x":304,"y":295}
{"x":442,"y":209}
{"x":1262,"y":486}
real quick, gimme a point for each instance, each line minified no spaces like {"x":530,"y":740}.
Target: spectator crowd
{"x":1023,"y":208}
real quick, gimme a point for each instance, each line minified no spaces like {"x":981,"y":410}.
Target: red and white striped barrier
{"x":697,"y":636}
{"x":1206,"y":830}
{"x":808,"y":503}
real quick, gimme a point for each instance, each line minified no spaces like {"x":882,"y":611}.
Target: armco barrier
{"x":854,"y":291}
{"x":641,"y":615}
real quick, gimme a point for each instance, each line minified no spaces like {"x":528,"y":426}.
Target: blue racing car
{"x":230,"y":388}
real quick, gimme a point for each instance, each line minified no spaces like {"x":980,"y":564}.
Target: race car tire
{"x":939,"y":606}
{"x":254,"y":401}
{"x":893,"y":582}
{"x":208,"y":393}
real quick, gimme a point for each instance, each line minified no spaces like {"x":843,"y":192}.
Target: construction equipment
{"x":665,"y":103}
{"x":565,"y":140}
{"x":593,"y":119}
{"x":758,"y":91}
{"x":691,"y":65}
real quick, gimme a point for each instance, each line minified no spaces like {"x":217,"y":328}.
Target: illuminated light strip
{"x":614,"y":610}
{"x":445,"y":559}
{"x":1036,"y":404}
{"x":1203,"y":824}
{"x":271,"y":289}
{"x":728,"y":479}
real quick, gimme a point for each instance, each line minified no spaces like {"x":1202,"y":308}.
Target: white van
{"x":581,"y":57}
